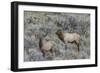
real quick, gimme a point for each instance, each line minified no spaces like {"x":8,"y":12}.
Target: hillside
{"x":41,"y":24}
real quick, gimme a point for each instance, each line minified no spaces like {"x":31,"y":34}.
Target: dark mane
{"x":60,"y":35}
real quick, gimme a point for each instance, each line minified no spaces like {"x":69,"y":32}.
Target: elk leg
{"x":53,"y":51}
{"x":43,"y":52}
{"x":78,"y":47}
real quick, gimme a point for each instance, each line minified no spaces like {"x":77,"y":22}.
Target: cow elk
{"x":69,"y":37}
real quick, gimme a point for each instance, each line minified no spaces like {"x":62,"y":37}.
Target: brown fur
{"x":75,"y":36}
{"x":60,"y":35}
{"x":46,"y":46}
